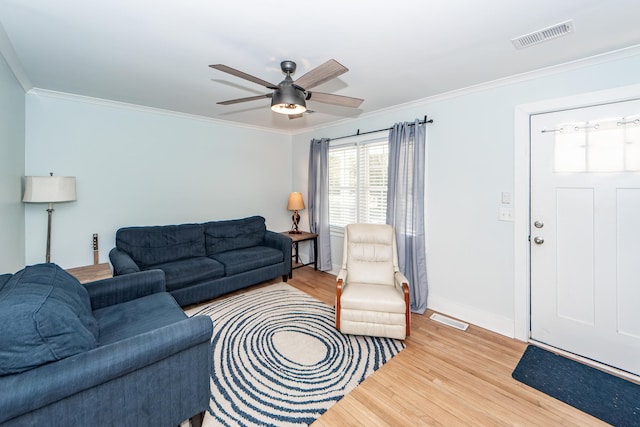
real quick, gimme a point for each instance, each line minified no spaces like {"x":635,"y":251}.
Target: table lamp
{"x":49,"y":189}
{"x":295,"y":204}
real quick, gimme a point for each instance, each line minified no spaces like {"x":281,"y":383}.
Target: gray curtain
{"x":405,"y":205}
{"x":318,"y":203}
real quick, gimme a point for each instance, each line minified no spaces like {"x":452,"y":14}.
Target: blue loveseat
{"x":117,"y":352}
{"x":203,"y":261}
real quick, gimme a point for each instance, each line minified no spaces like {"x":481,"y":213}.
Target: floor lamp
{"x":49,"y":189}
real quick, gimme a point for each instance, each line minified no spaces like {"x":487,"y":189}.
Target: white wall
{"x":470,"y":161}
{"x":12,"y":130}
{"x":137,"y":166}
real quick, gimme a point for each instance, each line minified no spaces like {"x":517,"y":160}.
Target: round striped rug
{"x":278,"y":359}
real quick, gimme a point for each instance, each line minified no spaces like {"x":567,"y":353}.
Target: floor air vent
{"x":543,"y":35}
{"x":449,"y":322}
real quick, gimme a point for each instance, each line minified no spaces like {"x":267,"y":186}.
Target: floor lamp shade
{"x":49,"y":189}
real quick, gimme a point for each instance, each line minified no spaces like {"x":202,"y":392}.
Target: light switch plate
{"x":505,"y":214}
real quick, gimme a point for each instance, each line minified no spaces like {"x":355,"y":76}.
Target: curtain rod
{"x":358,"y":133}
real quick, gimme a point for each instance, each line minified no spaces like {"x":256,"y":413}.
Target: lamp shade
{"x":49,"y":189}
{"x":288,"y":100}
{"x":295,"y":202}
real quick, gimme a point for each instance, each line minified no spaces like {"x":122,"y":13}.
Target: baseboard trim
{"x":495,"y":323}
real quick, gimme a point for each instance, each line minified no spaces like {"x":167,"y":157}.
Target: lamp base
{"x":296,"y":219}
{"x":49,"y":215}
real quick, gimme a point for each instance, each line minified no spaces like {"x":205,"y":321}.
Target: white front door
{"x":585,"y":232}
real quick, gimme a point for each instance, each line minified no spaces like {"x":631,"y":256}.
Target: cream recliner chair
{"x":372,"y":295}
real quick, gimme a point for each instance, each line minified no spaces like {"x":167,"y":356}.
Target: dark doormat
{"x":607,"y":397}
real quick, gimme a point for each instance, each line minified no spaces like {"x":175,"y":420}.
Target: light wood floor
{"x":444,"y":377}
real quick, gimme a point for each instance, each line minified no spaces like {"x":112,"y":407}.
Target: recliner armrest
{"x":399,"y":279}
{"x":120,"y":289}
{"x":342,"y":275}
{"x":402,"y":284}
{"x":55,"y":381}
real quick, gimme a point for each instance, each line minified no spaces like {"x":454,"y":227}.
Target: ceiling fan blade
{"x":250,"y":98}
{"x":329,"y":98}
{"x":243,"y":75}
{"x":322,"y":73}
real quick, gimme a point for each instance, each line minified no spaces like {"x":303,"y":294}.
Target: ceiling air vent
{"x":543,"y":35}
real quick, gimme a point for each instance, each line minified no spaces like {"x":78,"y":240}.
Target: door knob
{"x":538,"y":224}
{"x":538,"y":240}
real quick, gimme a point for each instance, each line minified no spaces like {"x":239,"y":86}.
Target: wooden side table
{"x":91,"y":273}
{"x":295,"y":256}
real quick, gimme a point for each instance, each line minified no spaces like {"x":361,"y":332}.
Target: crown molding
{"x":509,"y":80}
{"x":9,"y":54}
{"x":145,"y":109}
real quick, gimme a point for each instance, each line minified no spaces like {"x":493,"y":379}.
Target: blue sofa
{"x":117,"y":352}
{"x":203,"y":261}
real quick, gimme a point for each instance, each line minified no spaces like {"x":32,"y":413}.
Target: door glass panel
{"x":606,"y":145}
{"x":632,"y":146}
{"x":605,"y":148}
{"x":570,"y":150}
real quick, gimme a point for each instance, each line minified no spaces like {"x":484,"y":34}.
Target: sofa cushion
{"x":247,"y":259}
{"x":125,"y":320}
{"x":223,"y":236}
{"x":158,"y":244}
{"x":45,"y":315}
{"x":179,"y":274}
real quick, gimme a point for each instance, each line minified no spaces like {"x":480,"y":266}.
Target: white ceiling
{"x":156,"y":52}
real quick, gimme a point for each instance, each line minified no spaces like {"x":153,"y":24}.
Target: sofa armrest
{"x":122,"y":262}
{"x":120,"y":289}
{"x":55,"y":381}
{"x":4,"y":278}
{"x":280,"y":242}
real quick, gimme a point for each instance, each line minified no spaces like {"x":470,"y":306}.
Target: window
{"x":358,"y":182}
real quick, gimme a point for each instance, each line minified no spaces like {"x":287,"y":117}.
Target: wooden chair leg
{"x":338,"y":296}
{"x":407,"y":303}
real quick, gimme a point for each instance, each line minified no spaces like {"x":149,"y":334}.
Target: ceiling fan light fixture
{"x":288,"y":100}
{"x":288,"y":109}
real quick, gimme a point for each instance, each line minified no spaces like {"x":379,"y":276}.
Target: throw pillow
{"x":45,"y":315}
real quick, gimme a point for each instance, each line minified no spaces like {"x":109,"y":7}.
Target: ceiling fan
{"x":289,"y":96}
